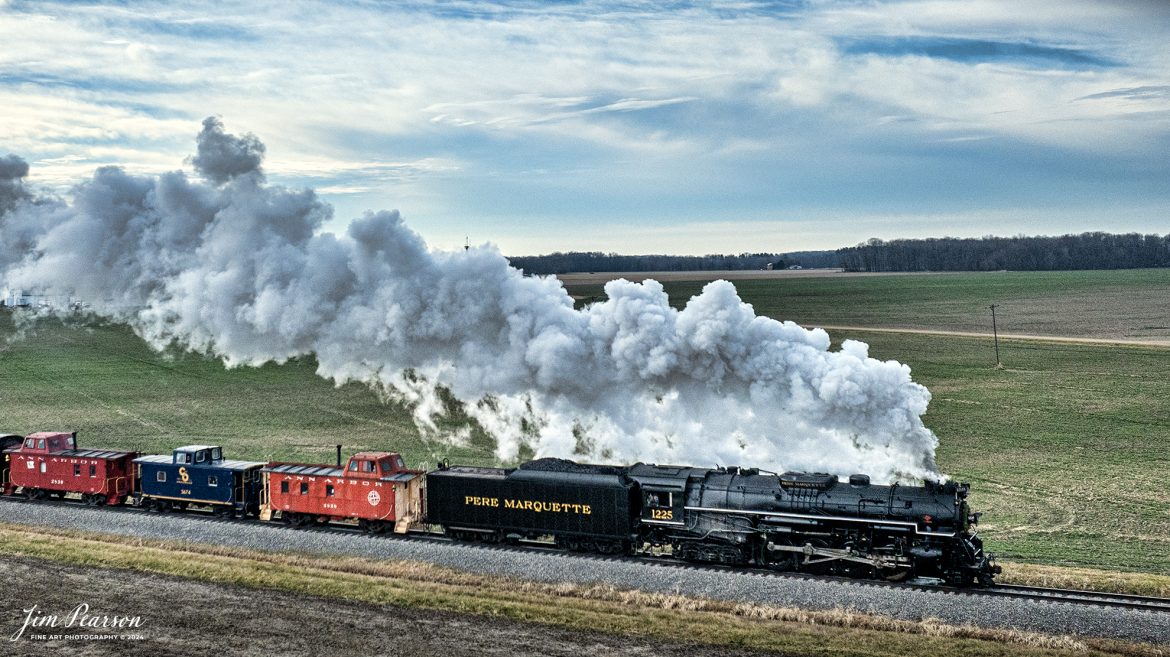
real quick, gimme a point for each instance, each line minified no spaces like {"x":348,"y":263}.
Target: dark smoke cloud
{"x":242,"y":271}
{"x":12,"y":171}
{"x":221,"y":157}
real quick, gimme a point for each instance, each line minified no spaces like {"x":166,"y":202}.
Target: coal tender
{"x":582,"y":507}
{"x":806,"y":522}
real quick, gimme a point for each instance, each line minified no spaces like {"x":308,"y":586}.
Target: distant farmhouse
{"x":12,"y":297}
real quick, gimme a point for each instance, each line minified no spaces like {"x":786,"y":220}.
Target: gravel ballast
{"x":740,"y":586}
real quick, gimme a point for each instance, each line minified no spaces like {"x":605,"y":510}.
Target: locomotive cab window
{"x":660,"y":499}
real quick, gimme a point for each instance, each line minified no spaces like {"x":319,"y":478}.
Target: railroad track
{"x":1074,"y":596}
{"x":1028,"y":593}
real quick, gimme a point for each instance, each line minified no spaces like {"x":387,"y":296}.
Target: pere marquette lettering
{"x":530,"y":505}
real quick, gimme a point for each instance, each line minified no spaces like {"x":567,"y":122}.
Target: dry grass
{"x":1087,"y":579}
{"x":585,"y":608}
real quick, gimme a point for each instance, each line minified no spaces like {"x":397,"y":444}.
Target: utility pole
{"x":995,"y":333}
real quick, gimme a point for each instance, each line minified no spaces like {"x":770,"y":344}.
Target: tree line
{"x":593,"y":261}
{"x":1094,"y":250}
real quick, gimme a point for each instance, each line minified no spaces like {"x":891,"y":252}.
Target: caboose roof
{"x":50,"y":434}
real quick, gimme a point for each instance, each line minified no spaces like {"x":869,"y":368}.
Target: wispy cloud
{"x":460,"y":113}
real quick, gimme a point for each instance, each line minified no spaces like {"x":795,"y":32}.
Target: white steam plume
{"x":236,"y":267}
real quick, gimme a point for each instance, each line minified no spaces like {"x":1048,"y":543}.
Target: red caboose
{"x":374,"y":488}
{"x":50,"y":464}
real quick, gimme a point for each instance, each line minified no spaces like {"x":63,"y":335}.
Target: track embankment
{"x":907,"y":603}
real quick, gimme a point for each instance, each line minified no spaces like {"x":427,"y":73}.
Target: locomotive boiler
{"x":813,"y":522}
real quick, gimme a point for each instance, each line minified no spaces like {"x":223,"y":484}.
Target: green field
{"x":1066,"y":446}
{"x":1121,"y":304}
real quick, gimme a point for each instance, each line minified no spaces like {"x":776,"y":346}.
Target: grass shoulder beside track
{"x":598,"y":609}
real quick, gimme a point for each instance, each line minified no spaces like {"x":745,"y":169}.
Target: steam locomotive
{"x":807,"y":522}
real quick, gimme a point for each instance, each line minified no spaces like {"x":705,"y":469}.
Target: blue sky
{"x":630,"y":126}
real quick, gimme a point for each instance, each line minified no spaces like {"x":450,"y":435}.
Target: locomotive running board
{"x":802,"y":516}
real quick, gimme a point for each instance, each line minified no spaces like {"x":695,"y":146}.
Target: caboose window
{"x":92,"y":470}
{"x":304,"y":488}
{"x":200,"y":456}
{"x":161,"y":476}
{"x":30,"y":443}
{"x":386,"y":467}
{"x":77,"y":470}
{"x":212,"y":481}
{"x":353,"y":466}
{"x":284,"y":486}
{"x":367,"y":466}
{"x":217,"y":454}
{"x":41,"y":443}
{"x":328,"y":490}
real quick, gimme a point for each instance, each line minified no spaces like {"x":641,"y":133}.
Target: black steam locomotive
{"x":806,"y":522}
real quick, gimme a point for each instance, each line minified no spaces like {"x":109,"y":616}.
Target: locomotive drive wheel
{"x":783,"y":560}
{"x":819,"y":567}
{"x":895,"y":574}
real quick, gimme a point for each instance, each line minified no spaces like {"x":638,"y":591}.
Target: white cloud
{"x":388,"y":99}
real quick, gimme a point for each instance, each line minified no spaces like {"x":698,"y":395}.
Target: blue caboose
{"x":198,"y":476}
